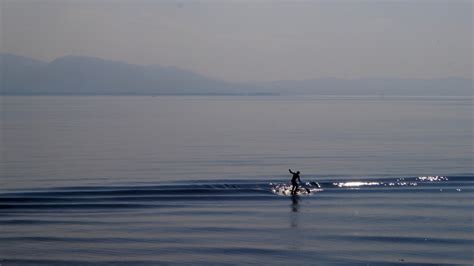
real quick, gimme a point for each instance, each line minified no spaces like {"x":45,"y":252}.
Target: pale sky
{"x":252,"y":40}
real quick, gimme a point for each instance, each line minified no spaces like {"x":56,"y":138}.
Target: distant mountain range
{"x":79,"y":75}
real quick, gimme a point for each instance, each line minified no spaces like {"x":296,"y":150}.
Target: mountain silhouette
{"x":81,"y":75}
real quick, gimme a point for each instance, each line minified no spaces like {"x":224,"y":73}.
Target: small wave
{"x":306,"y":189}
{"x":432,"y":178}
{"x":401,"y":182}
{"x":409,"y":240}
{"x":356,"y":184}
{"x":145,"y":196}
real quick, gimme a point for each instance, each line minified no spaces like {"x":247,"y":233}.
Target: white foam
{"x":285,"y":189}
{"x":432,"y":178}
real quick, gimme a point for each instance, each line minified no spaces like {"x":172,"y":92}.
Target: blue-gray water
{"x":158,"y":180}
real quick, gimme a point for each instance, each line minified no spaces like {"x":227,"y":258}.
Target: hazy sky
{"x":252,"y":40}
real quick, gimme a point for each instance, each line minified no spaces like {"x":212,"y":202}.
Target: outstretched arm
{"x":290,"y":171}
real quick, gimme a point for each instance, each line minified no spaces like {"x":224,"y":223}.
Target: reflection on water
{"x":294,"y":211}
{"x":294,"y":204}
{"x":295,"y":233}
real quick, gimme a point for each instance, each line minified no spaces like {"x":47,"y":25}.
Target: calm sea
{"x":196,"y":180}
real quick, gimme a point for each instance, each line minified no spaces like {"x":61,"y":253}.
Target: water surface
{"x":130,"y":180}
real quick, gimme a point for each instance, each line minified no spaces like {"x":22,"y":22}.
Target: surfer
{"x":294,"y":184}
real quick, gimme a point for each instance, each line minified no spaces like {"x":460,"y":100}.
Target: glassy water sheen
{"x":201,"y":180}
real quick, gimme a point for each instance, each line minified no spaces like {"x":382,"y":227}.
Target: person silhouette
{"x":294,"y":183}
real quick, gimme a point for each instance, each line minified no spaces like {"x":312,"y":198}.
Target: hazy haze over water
{"x":252,"y":40}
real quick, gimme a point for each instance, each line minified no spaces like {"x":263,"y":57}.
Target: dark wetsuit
{"x":294,"y":183}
